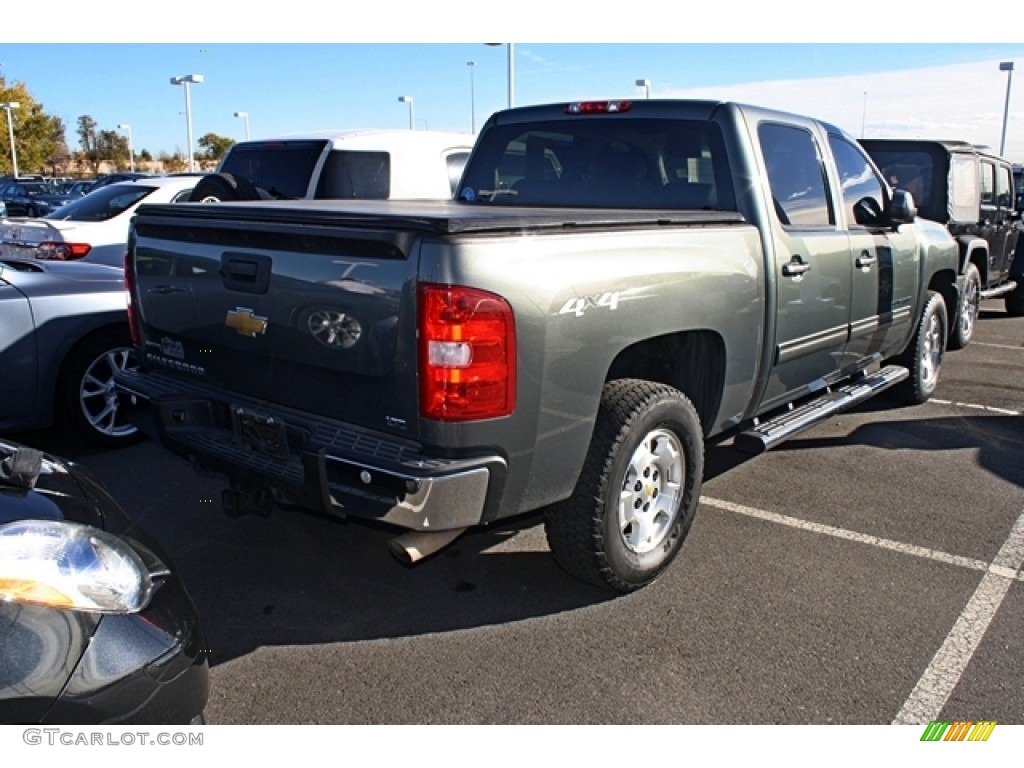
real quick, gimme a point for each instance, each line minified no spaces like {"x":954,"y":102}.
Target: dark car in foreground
{"x":63,"y":336}
{"x":95,"y":625}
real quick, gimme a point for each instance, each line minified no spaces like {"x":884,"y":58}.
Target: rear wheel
{"x":637,"y":494}
{"x":970,"y":306}
{"x":86,"y":396}
{"x":923,"y":358}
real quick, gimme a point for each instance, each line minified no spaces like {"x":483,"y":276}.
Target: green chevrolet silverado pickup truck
{"x":614,"y":283}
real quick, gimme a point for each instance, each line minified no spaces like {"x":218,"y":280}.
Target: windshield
{"x":105,"y":203}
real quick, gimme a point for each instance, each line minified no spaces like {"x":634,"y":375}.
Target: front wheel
{"x":970,"y":307}
{"x":923,"y":358}
{"x":638,"y":491}
{"x":86,"y":396}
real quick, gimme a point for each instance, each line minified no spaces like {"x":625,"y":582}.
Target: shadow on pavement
{"x":997,"y":438}
{"x":296,"y":578}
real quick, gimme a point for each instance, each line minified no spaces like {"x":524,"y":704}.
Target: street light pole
{"x":9,"y":105}
{"x":186,"y":81}
{"x":245,"y":117}
{"x":646,"y":85}
{"x":864,"y":115}
{"x":472,"y":97}
{"x":511,"y":71}
{"x":131,"y":152}
{"x":1007,"y":67}
{"x":412,"y":119}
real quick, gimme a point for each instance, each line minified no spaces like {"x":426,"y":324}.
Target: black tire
{"x":1014,"y":301}
{"x":970,"y":307}
{"x":86,"y":400}
{"x":923,"y":357}
{"x":644,"y":430}
{"x":223,"y":187}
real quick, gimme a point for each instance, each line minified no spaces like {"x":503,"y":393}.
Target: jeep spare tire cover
{"x":223,"y":187}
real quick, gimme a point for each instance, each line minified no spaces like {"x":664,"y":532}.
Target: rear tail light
{"x":129,"y":287}
{"x":59,"y":251}
{"x":467,"y":353}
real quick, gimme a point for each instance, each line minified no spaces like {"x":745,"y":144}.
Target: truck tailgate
{"x":307,"y":316}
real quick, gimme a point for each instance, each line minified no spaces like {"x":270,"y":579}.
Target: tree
{"x":38,"y":137}
{"x":214,"y":147}
{"x":99,"y":146}
{"x":175,"y":163}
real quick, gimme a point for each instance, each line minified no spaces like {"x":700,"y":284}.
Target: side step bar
{"x":1000,"y":290}
{"x":768,"y":433}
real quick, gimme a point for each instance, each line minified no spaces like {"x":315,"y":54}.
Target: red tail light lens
{"x":58,"y":251}
{"x":467,"y":353}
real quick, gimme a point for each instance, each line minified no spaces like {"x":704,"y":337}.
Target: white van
{"x":330,"y":165}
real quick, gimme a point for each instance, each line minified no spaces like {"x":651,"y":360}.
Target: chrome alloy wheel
{"x":970,"y":308}
{"x":651,"y":491}
{"x":931,"y":357}
{"x":97,"y":393}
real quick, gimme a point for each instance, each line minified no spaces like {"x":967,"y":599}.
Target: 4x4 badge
{"x":246,"y":322}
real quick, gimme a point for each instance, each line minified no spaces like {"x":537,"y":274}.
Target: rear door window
{"x":796,"y":176}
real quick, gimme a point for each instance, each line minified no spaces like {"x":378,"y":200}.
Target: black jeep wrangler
{"x":971,"y":191}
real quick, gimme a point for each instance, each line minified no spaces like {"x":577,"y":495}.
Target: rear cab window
{"x":635,"y":163}
{"x":282,"y":169}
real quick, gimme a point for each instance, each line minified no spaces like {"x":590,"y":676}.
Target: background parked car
{"x":113,"y":178}
{"x":94,"y":227}
{"x":79,"y":187}
{"x":95,"y":625}
{"x":345,"y":165}
{"x":65,"y":333}
{"x":31,"y":198}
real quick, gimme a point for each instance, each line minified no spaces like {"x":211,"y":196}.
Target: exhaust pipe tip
{"x":413,"y":546}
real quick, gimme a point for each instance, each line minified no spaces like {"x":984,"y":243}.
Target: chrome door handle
{"x":864,"y":261}
{"x":795,"y":267}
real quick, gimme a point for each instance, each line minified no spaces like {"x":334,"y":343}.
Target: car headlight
{"x":60,"y":564}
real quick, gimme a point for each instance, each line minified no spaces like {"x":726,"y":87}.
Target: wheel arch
{"x":694,"y":362}
{"x":65,"y":359}
{"x":974,"y":250}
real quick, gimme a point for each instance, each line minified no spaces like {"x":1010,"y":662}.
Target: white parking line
{"x":999,"y":346}
{"x":929,"y":696}
{"x":989,"y":408}
{"x":942,"y":675}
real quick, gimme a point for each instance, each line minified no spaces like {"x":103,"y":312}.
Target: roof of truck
{"x":365,"y":138}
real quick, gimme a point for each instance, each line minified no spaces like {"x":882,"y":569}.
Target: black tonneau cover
{"x":441,"y":217}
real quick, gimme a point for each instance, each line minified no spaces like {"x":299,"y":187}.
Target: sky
{"x":304,"y":76}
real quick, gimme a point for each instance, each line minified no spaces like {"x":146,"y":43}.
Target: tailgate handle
{"x":245,"y":273}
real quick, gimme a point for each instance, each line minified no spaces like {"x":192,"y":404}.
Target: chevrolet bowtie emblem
{"x":245,"y":322}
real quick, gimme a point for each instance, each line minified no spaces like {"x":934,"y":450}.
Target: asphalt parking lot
{"x":867,"y":571}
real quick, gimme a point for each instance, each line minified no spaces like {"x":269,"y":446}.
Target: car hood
{"x":36,"y":485}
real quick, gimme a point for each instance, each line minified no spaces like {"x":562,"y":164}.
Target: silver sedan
{"x":63,"y":335}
